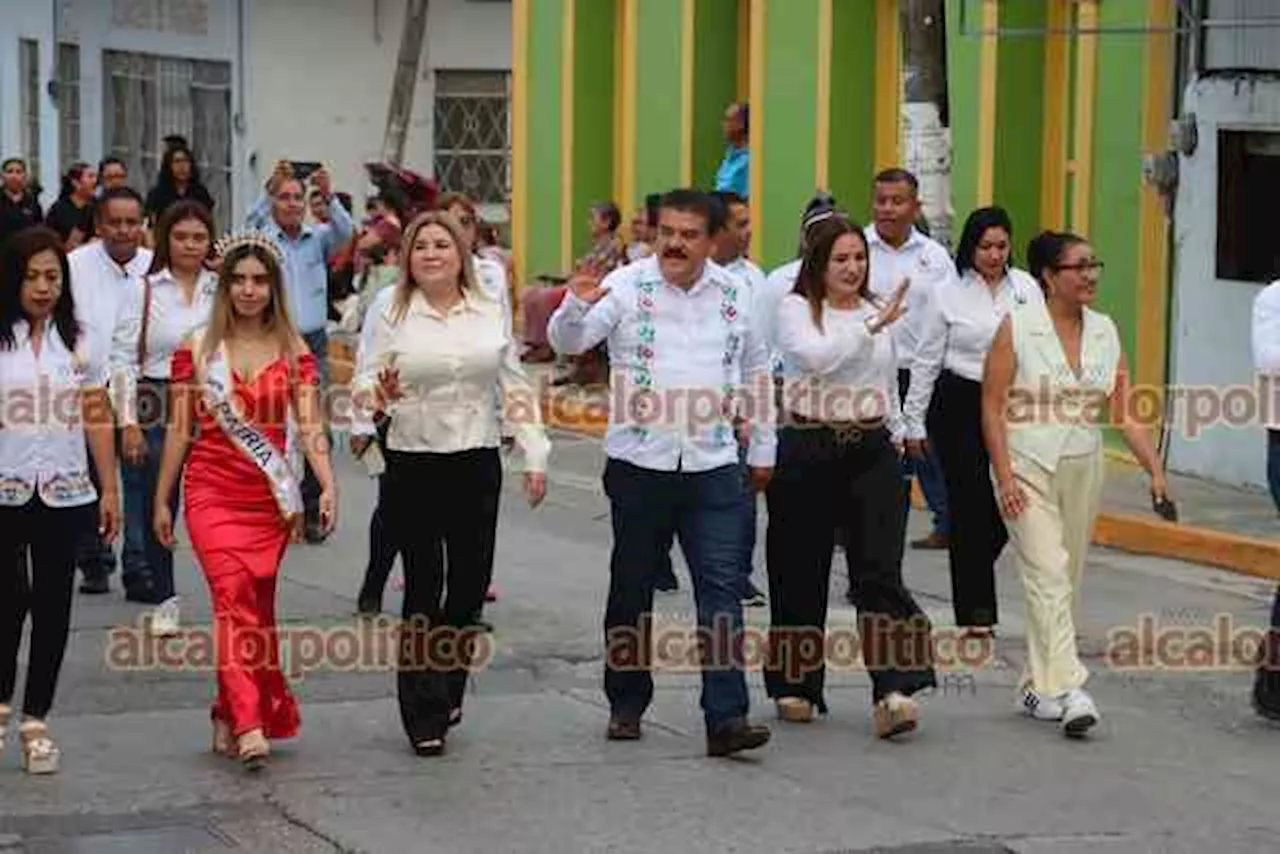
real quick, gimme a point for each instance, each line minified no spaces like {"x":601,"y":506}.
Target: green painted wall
{"x":658,"y":131}
{"x":715,"y":83}
{"x":592,"y":114}
{"x":790,"y":125}
{"x":851,"y":164}
{"x":1019,"y":123}
{"x":963,"y":87}
{"x":543,"y":182}
{"x":1117,"y":166}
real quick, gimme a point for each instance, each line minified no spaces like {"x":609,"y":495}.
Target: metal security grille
{"x":68,"y":104}
{"x":149,"y":97}
{"x":473,"y":133}
{"x":29,"y":76}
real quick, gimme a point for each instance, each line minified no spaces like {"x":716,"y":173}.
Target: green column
{"x":658,"y":107}
{"x":964,"y":71}
{"x":1019,"y":138}
{"x":544,"y":50}
{"x":851,"y":164}
{"x":715,"y":84}
{"x":593,"y":128}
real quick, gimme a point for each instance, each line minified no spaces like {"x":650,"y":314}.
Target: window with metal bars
{"x":148,"y":98}
{"x":29,"y":103}
{"x":472,"y":133}
{"x":68,"y":105}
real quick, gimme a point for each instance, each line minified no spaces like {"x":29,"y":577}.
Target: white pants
{"x":1051,"y":539}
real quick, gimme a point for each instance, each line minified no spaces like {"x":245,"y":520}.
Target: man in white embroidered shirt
{"x":681,"y":342}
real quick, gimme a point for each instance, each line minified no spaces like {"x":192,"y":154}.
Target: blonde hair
{"x":222,"y":317}
{"x":466,"y":274}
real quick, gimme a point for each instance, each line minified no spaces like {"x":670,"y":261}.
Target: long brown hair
{"x":222,"y":316}
{"x":466,"y":274}
{"x":174,"y":214}
{"x":811,"y":283}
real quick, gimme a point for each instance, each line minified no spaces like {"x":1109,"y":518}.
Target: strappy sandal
{"x":39,"y":753}
{"x":6,"y":714}
{"x":253,"y":750}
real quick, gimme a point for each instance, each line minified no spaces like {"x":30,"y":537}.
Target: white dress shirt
{"x":170,"y":320}
{"x":42,"y":438}
{"x":767,"y":300}
{"x":100,"y":288}
{"x":676,"y":356}
{"x":1266,"y":349}
{"x":747,"y":270}
{"x":842,"y":372}
{"x":960,"y":321}
{"x":451,"y":368}
{"x":926,"y":264}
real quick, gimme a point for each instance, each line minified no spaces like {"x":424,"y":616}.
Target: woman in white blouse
{"x":838,"y":465}
{"x":1057,"y":371}
{"x":944,"y":401}
{"x":46,"y":495}
{"x":441,"y":355}
{"x":172,"y":300}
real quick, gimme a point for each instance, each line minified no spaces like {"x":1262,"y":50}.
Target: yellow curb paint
{"x":1232,"y":552}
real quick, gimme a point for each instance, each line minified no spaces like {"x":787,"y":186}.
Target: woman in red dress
{"x":244,"y":380}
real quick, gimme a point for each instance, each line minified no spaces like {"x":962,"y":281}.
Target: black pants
{"x":978,"y":533}
{"x":441,"y":601}
{"x":383,"y":548}
{"x":42,"y":587}
{"x":1266,"y":686}
{"x":824,"y":478}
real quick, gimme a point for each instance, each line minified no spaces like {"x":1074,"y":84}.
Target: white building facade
{"x":248,"y":82}
{"x":1225,"y":249}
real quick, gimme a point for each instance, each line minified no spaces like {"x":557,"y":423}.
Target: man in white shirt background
{"x":103,"y":272}
{"x":681,"y":341}
{"x":900,"y":251}
{"x":1266,"y":359}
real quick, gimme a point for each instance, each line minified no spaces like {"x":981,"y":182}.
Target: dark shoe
{"x":1266,"y":699}
{"x":933,"y":542}
{"x":368,"y":608}
{"x":143,"y":595}
{"x":736,"y":738}
{"x":667,"y":585}
{"x":623,"y":729}
{"x":753,"y":598}
{"x":314,"y":533}
{"x":95,"y":585}
{"x":429,"y":747}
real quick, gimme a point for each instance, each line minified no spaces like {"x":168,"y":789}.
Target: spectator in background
{"x":319,"y":207}
{"x":641,"y":237}
{"x":280,"y":213}
{"x":112,"y":173}
{"x":735,"y":170}
{"x":72,"y":214}
{"x":179,"y":179}
{"x":19,"y":205}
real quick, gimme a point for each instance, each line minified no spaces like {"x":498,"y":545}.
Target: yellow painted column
{"x":1053,"y":157}
{"x":988,"y":67}
{"x":519,"y":137}
{"x":1153,"y":249}
{"x":567,"y":70}
{"x":756,"y":130}
{"x":888,"y":84}
{"x":1086,"y":86}
{"x":688,"y":17}
{"x":625,"y":138}
{"x":822,"y":154}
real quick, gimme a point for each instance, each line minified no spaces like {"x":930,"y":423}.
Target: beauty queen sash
{"x":215,"y":380}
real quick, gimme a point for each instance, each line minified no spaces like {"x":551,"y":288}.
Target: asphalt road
{"x":1179,"y":763}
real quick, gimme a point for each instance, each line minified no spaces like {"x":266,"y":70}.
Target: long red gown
{"x":239,"y":537}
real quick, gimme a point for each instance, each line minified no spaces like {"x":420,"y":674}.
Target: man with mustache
{"x":682,"y":340}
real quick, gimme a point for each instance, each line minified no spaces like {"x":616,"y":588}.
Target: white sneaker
{"x":1080,"y":714}
{"x":1039,"y":706}
{"x":165,"y":619}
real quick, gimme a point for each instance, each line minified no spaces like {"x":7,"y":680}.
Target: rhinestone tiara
{"x":249,"y":237}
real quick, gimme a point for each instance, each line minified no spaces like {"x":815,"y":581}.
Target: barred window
{"x":150,"y":97}
{"x":29,"y":103}
{"x":68,"y":104}
{"x":472,"y":133}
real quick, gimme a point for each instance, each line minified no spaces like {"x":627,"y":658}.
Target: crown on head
{"x":249,"y":237}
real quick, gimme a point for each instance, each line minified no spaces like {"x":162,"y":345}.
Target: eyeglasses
{"x":1082,"y":266}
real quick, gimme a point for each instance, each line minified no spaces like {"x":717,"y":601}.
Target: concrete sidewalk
{"x":1223,"y":526}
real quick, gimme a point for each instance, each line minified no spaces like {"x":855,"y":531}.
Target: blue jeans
{"x":147,"y":565}
{"x":704,"y":509}
{"x":928,"y":472}
{"x":318,"y":344}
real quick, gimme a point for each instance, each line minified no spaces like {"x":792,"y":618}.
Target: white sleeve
{"x":123,"y":360}
{"x":926,"y":365}
{"x":815,"y":350}
{"x":1266,"y":330}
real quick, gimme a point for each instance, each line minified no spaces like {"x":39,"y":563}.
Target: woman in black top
{"x":72,"y":214}
{"x":179,"y":180}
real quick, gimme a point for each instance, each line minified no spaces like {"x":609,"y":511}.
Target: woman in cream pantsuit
{"x":1055,"y":370}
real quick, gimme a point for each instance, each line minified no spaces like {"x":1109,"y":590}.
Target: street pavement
{"x":1178,"y":764}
